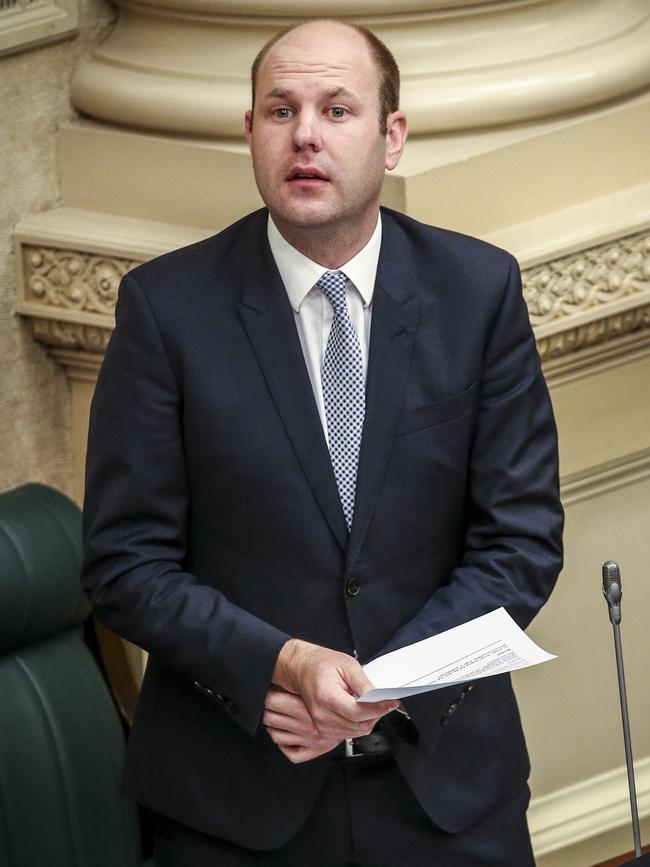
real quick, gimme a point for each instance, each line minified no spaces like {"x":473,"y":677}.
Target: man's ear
{"x":396,"y":133}
{"x":248,"y":128}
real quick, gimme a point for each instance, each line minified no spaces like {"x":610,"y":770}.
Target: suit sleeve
{"x":136,"y":514}
{"x":512,"y":551}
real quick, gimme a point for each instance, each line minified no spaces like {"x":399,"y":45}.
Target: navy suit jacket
{"x":214,"y":531}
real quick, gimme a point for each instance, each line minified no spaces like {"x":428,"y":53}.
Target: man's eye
{"x":282,"y":113}
{"x":338,"y":111}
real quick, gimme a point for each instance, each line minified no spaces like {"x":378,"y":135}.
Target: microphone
{"x":612,"y":591}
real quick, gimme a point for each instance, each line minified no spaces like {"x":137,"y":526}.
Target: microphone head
{"x":612,"y":590}
{"x":611,"y":575}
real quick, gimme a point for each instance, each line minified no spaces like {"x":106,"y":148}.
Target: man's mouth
{"x":307,"y":176}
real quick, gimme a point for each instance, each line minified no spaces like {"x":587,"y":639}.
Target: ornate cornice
{"x":591,"y":296}
{"x":71,"y":280}
{"x":575,"y":302}
{"x":71,"y":296}
{"x":592,"y":333}
{"x":70,"y":335}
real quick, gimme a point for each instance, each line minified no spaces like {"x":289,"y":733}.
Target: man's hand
{"x":318,"y":708}
{"x":290,"y":726}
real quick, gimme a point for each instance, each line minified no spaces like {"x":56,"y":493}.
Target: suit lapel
{"x":395,"y":310}
{"x":269,"y":322}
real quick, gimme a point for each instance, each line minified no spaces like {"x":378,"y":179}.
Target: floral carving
{"x":590,"y":333}
{"x":555,"y":292}
{"x":73,"y":280}
{"x":588,"y":279}
{"x":71,"y":335}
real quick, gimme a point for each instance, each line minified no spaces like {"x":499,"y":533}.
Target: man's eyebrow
{"x":286,"y":92}
{"x":278,"y":93}
{"x":340,"y":91}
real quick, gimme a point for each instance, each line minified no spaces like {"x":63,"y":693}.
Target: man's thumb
{"x":357,"y":680}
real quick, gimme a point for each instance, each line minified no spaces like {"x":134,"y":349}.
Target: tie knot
{"x":333,"y":285}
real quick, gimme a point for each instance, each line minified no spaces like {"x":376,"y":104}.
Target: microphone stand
{"x":612,"y":591}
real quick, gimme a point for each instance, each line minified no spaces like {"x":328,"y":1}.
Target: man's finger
{"x":284,"y":702}
{"x":289,"y":705}
{"x":375,"y":709}
{"x":300,"y":754}
{"x":297,"y":754}
{"x":324,"y":719}
{"x":287,"y":738}
{"x":296,"y":710}
{"x":291,"y":724}
{"x":336,"y":707}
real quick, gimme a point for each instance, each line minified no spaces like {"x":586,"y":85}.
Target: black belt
{"x":374,"y":744}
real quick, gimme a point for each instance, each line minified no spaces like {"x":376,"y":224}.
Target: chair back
{"x":61,"y":740}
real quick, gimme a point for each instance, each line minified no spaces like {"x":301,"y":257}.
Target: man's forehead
{"x":281,"y":73}
{"x":316,"y":50}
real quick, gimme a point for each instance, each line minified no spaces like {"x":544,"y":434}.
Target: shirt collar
{"x":300,"y":274}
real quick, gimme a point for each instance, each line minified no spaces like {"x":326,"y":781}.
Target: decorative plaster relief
{"x":589,"y":282}
{"x":69,"y":280}
{"x":71,"y":335}
{"x":591,"y":333}
{"x":574,"y":302}
{"x":73,"y":280}
{"x":27,"y":23}
{"x":588,"y":278}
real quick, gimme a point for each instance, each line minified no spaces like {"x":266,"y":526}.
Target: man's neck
{"x":331,"y":245}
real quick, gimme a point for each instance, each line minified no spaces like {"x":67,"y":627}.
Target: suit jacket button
{"x":204,"y":690}
{"x":353,"y":587}
{"x":229,"y":706}
{"x":452,"y":708}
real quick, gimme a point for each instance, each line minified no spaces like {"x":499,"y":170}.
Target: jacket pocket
{"x":448,"y":409}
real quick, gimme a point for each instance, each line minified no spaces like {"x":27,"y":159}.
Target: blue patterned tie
{"x":343,"y":391}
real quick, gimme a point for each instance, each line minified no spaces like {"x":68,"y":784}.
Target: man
{"x":319,"y":436}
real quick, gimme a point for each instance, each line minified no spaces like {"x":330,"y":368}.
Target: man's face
{"x":318,"y":153}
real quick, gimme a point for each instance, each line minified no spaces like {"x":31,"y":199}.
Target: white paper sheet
{"x":488,"y":645}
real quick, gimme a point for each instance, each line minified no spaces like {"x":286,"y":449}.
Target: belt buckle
{"x":349,"y":749}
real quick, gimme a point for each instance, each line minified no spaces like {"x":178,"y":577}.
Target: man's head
{"x":319,"y":149}
{"x":388,"y":78}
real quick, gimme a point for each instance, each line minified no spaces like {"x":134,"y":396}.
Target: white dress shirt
{"x":313,"y":312}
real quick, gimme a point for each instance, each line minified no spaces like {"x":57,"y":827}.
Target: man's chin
{"x":306,"y":217}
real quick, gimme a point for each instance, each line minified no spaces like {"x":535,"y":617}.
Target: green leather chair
{"x":61,"y":740}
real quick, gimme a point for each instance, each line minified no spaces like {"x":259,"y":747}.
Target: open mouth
{"x":307,"y":176}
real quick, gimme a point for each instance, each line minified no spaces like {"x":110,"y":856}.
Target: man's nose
{"x":307,"y":133}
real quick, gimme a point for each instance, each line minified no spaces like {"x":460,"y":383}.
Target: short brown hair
{"x":385,"y":63}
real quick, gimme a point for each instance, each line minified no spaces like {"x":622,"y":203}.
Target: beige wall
{"x":570,"y":707}
{"x":35,"y":441}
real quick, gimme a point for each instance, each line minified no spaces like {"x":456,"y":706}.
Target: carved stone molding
{"x":600,"y":295}
{"x":71,"y":335}
{"x":71,"y":296}
{"x":592,"y":333}
{"x":575,"y":302}
{"x":591,"y":296}
{"x":588,"y":279}
{"x":72,"y":280}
